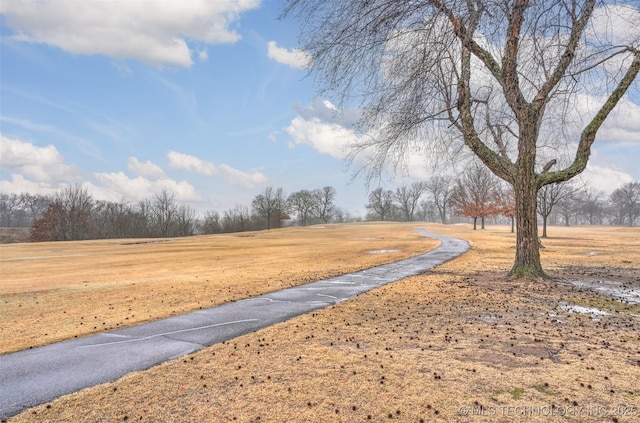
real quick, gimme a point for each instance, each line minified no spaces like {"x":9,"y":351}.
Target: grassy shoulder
{"x":461,"y":343}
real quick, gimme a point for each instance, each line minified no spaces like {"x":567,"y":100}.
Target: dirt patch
{"x":460,"y":344}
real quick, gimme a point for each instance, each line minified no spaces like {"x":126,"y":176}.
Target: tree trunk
{"x":544,"y":226}
{"x":443,"y":214}
{"x":482,"y":222}
{"x":513,"y":224}
{"x":527,"y":262}
{"x":475,"y":221}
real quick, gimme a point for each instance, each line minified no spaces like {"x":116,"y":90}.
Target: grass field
{"x":57,"y":290}
{"x":461,"y":343}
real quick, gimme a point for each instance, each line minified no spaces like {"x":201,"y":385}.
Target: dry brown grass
{"x":425,"y":348}
{"x":57,"y":290}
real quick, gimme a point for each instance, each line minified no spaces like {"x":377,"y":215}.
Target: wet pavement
{"x":39,"y":375}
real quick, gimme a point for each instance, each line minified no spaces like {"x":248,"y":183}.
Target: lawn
{"x":52,"y":291}
{"x":461,"y":343}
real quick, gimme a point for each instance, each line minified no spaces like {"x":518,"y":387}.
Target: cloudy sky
{"x":205,"y":98}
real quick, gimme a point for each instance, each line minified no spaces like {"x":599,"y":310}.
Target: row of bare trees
{"x":20,"y":210}
{"x":574,"y":205}
{"x":478,"y":194}
{"x":428,"y":200}
{"x":73,"y":214}
{"x":271,"y":207}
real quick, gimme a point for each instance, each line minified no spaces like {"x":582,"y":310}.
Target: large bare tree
{"x":474,"y":194}
{"x":441,"y":187}
{"x":549,"y":196}
{"x":303,"y":203}
{"x":503,"y":76}
{"x":325,"y":203}
{"x":380,"y":204}
{"x":165,"y":212}
{"x":271,"y":205}
{"x":407,"y":197}
{"x":588,"y":204}
{"x":263,"y":205}
{"x":625,"y":204}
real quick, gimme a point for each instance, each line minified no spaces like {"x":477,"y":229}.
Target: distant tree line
{"x":271,"y":207}
{"x":73,"y":214}
{"x":21,"y":210}
{"x":584,"y":206}
{"x":478,"y":195}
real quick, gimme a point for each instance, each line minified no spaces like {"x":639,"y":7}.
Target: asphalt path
{"x":39,"y":375}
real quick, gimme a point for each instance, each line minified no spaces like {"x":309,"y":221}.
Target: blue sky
{"x":206,"y":98}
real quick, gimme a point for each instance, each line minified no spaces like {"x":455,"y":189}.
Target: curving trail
{"x":33,"y":377}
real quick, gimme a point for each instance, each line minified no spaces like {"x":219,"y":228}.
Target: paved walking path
{"x":32,"y":377}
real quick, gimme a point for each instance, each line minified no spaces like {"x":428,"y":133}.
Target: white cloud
{"x":41,"y":164}
{"x":191,"y":163}
{"x":294,"y":58}
{"x":323,"y":127}
{"x":605,"y":179}
{"x":327,"y":138}
{"x":618,"y":22}
{"x":203,"y":167}
{"x":325,"y":111}
{"x":19,"y":184}
{"x":153,"y":31}
{"x":623,"y":124}
{"x":41,"y":170}
{"x":238,"y":177}
{"x":115,"y":186}
{"x":331,"y":131}
{"x":146,"y":170}
{"x":568,"y":120}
